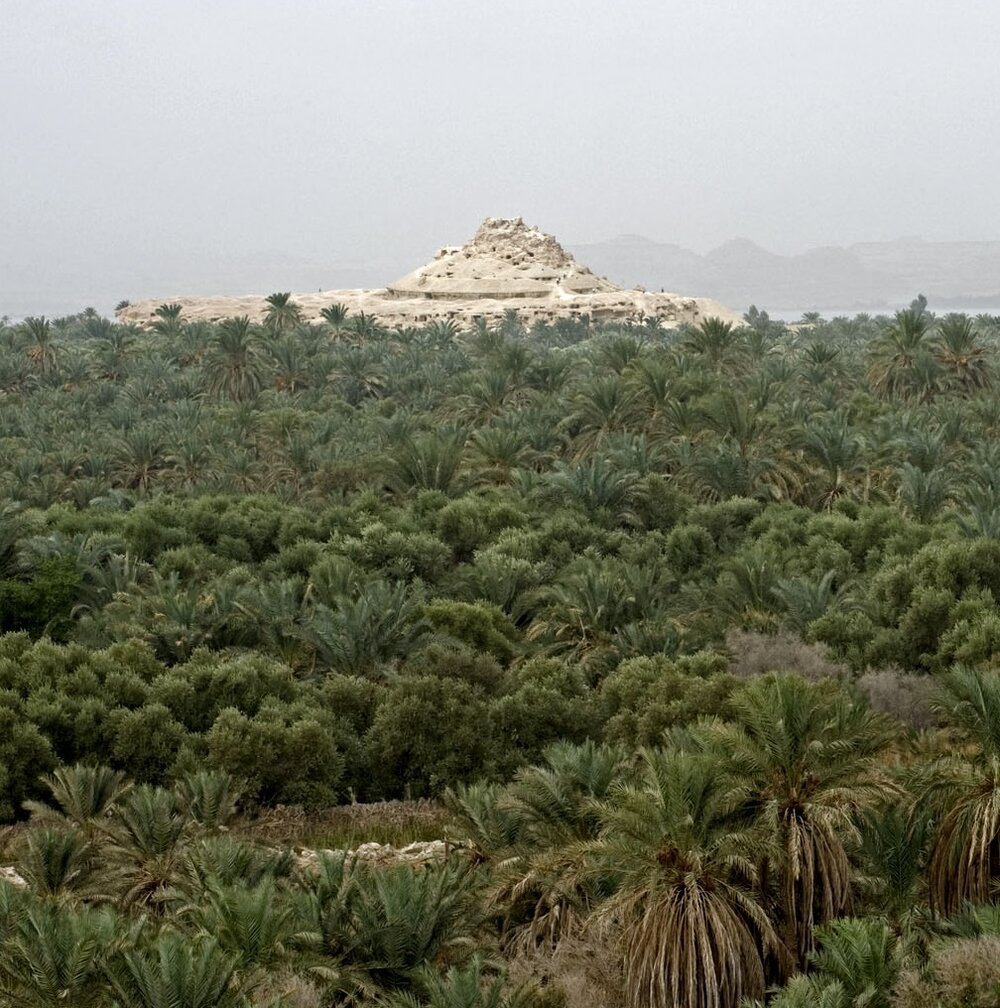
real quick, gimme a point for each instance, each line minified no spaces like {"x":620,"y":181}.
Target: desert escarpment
{"x":507,"y":265}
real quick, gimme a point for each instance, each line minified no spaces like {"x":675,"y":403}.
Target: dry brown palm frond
{"x":817,"y":883}
{"x":807,"y":757}
{"x":694,"y":931}
{"x":693,"y":945}
{"x":966,"y":850}
{"x":586,"y":969}
{"x":965,"y":791}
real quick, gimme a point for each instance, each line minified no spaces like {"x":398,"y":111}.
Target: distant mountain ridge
{"x":866,"y":275}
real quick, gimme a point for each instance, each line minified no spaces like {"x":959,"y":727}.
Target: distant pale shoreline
{"x":939,"y":308}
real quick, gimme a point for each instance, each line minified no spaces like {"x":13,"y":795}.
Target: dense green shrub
{"x":283,"y":753}
{"x":427,"y":734}
{"x":42,"y":602}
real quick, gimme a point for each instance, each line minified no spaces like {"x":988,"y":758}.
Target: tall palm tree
{"x":807,"y":756}
{"x":693,"y":928}
{"x":965,"y":790}
{"x":961,"y":355}
{"x":832,"y":445}
{"x":167,"y":320}
{"x":713,"y":339}
{"x":901,"y":356}
{"x":235,"y":365}
{"x":282,"y":314}
{"x":532,"y":834}
{"x":335,"y":316}
{"x":41,"y":337}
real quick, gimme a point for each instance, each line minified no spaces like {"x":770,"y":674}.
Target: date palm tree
{"x":58,"y":863}
{"x":282,"y":314}
{"x":961,"y":355}
{"x":41,"y":343}
{"x":823,"y":362}
{"x":358,"y":373}
{"x":176,"y":970}
{"x":85,"y":797}
{"x":139,"y":458}
{"x":485,"y":397}
{"x":500,"y":449}
{"x":167,"y":320}
{"x":548,"y":812}
{"x":604,"y":405}
{"x":965,"y":790}
{"x":924,"y":492}
{"x":252,"y":924}
{"x":856,"y":966}
{"x":146,"y":846}
{"x":894,"y":848}
{"x":693,"y":928}
{"x":807,"y":756}
{"x":209,"y":798}
{"x":901,"y":359}
{"x":56,"y":956}
{"x":365,"y":635}
{"x":469,"y":986}
{"x":335,"y":316}
{"x":291,"y":366}
{"x":834,"y":447}
{"x":427,"y":462}
{"x":712,"y":339}
{"x":653,"y":380}
{"x":235,"y":365}
{"x":726,"y":470}
{"x":382,"y":927}
{"x":598,"y":486}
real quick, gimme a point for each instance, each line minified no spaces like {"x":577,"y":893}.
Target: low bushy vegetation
{"x":692,"y":635}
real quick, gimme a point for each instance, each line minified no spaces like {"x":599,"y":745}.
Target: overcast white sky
{"x":151,"y":147}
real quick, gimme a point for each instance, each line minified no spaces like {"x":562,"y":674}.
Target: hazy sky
{"x":150,"y":147}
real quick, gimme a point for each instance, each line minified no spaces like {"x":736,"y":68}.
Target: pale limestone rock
{"x":10,"y":875}
{"x":507,"y":265}
{"x":419,"y":853}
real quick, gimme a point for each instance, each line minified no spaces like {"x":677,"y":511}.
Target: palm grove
{"x":691,"y":636}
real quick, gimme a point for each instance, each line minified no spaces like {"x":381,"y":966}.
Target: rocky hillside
{"x":507,"y":265}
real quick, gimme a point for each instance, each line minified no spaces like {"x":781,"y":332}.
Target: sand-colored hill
{"x":507,"y":265}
